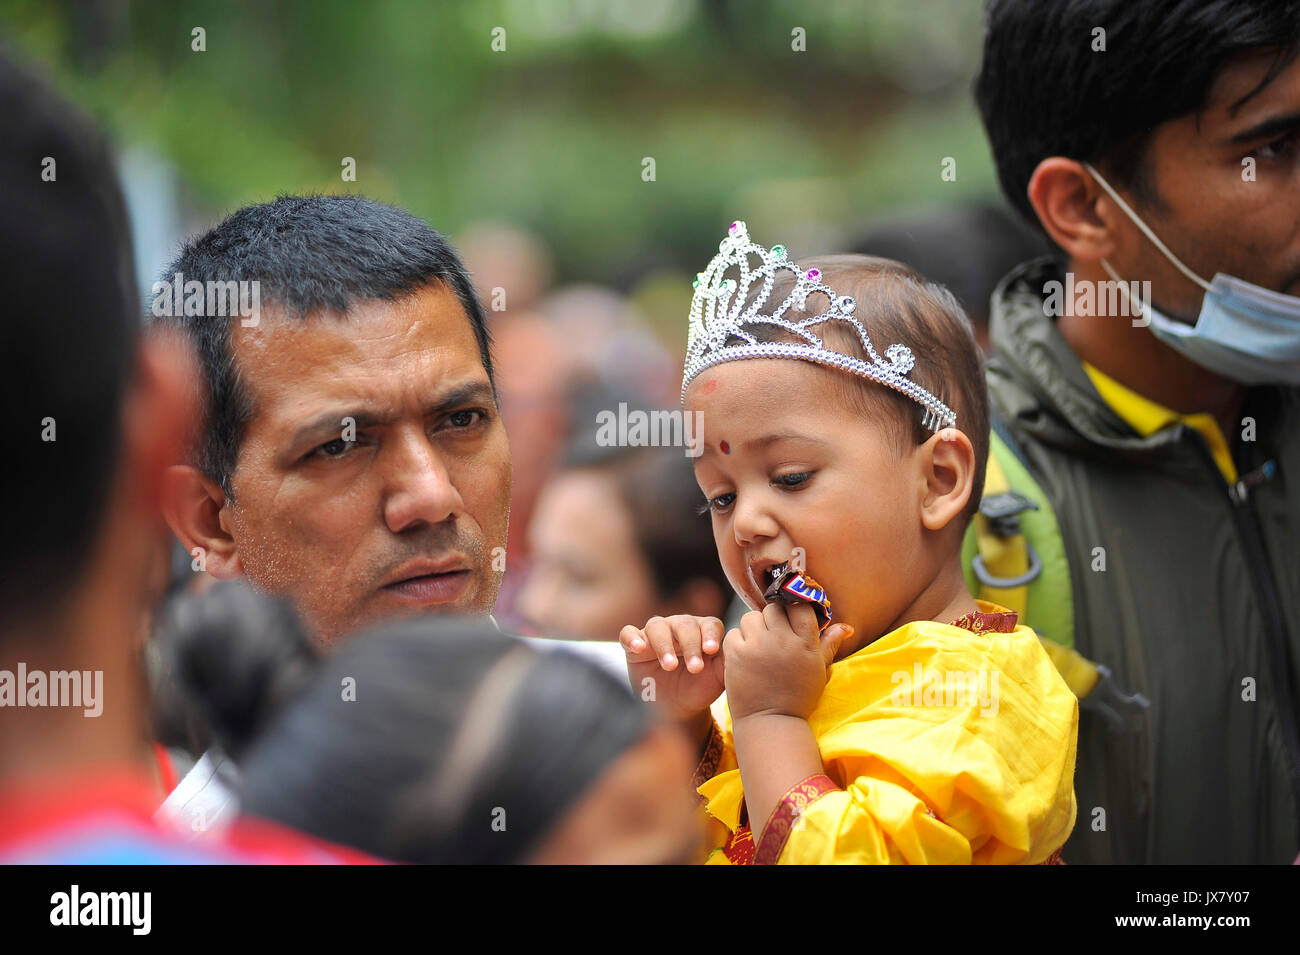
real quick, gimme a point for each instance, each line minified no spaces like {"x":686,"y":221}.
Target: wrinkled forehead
{"x":382,"y":352}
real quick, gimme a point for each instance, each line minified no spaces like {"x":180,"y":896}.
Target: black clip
{"x":1003,"y":514}
{"x":1116,"y":707}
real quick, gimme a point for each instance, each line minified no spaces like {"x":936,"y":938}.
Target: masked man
{"x":1146,"y":392}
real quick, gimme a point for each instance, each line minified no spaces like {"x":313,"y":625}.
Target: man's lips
{"x":428,"y":583}
{"x":432,"y":588}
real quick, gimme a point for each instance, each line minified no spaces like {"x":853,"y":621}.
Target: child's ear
{"x":948,"y":467}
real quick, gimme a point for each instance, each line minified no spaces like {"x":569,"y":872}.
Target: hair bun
{"x":237,"y":655}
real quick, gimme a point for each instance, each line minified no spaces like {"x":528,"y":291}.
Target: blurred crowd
{"x":346,"y":720}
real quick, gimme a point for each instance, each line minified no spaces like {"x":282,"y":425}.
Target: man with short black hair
{"x":1145,"y":398}
{"x":354,"y":459}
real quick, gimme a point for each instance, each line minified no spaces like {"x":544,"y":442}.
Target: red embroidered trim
{"x":979,"y":622}
{"x":781,"y":823}
{"x":707,"y":767}
{"x":739,"y":848}
{"x":1054,"y":858}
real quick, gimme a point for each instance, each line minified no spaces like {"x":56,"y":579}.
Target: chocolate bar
{"x":795,"y":586}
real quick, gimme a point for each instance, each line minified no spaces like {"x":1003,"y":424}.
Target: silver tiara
{"x":718,"y":314}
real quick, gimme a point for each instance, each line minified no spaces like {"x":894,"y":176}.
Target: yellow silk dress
{"x":947,"y":744}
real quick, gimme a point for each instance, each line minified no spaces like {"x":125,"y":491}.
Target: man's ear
{"x":1073,"y":208}
{"x":948,"y":467}
{"x":192,"y":504}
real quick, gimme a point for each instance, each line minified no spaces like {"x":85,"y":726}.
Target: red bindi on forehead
{"x":726,"y":448}
{"x":710,"y":386}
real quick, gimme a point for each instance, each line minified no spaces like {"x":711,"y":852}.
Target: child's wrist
{"x":699,"y":729}
{"x":762,"y":719}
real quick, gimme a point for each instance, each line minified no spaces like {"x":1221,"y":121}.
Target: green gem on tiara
{"x":778,"y":252}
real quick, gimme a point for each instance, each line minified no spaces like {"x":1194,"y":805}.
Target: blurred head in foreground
{"x":93,"y":412}
{"x":439,"y":740}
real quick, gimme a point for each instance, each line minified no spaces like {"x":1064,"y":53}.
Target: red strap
{"x":166,"y":769}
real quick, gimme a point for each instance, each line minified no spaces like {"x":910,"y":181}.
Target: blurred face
{"x":1209,"y":213}
{"x":374,"y":477}
{"x":637,"y":812}
{"x":589,"y":578}
{"x":785,"y":466}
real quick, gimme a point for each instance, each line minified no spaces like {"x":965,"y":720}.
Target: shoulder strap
{"x":1014,"y":556}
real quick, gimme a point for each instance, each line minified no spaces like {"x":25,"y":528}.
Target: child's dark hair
{"x":896,"y":305}
{"x":405,"y":741}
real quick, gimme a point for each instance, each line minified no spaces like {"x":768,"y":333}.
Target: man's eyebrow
{"x":474,"y":391}
{"x":331,"y":422}
{"x":1271,"y":127}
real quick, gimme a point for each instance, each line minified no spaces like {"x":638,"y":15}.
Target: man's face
{"x":408,"y":517}
{"x":1209,"y":214}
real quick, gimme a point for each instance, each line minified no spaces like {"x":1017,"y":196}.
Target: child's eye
{"x":792,"y":480}
{"x":719,"y":503}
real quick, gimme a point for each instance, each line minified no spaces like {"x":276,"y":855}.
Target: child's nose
{"x":752,"y":523}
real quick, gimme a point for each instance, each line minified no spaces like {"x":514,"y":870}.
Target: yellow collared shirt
{"x":1146,"y":417}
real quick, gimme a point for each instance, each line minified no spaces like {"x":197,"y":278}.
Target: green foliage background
{"x":549,"y":134}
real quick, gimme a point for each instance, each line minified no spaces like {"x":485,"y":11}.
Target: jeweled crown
{"x":723,"y":309}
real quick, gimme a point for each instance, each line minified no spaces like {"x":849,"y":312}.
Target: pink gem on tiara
{"x":735,"y":227}
{"x":812,"y":275}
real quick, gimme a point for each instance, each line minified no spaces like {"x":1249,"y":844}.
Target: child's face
{"x":786,"y":465}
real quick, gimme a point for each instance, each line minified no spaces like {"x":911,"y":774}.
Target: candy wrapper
{"x":794,"y":586}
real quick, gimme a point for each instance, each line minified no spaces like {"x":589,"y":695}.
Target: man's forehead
{"x":1240,"y":88}
{"x":374,"y":351}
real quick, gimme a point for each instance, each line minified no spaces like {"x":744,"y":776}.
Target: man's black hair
{"x":1043,"y":90}
{"x":68,"y":335}
{"x":308,"y":254}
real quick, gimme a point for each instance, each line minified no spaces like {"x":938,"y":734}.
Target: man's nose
{"x":419,"y":488}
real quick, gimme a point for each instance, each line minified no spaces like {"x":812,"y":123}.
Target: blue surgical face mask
{"x":1244,"y":332}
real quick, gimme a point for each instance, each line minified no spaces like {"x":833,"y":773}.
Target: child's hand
{"x":776,"y":662}
{"x":680,"y":657}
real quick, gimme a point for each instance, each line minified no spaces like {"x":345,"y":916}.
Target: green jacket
{"x":1197,"y":607}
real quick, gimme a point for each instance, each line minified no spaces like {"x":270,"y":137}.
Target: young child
{"x":916,"y":724}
